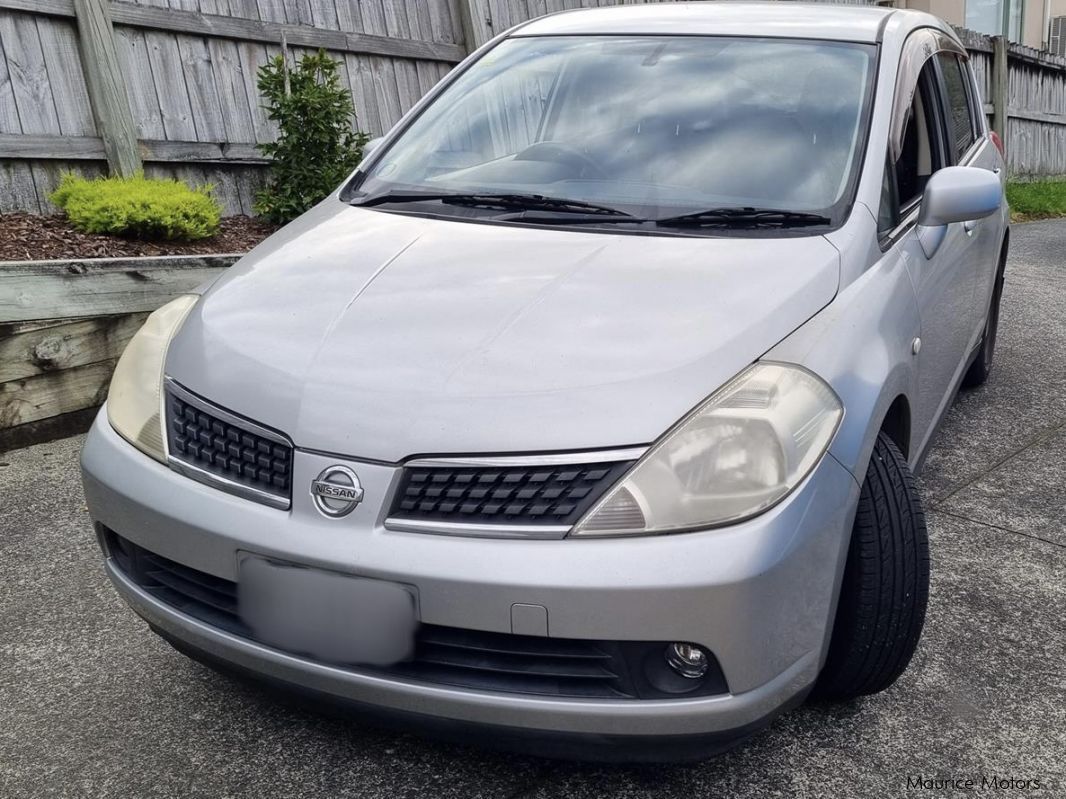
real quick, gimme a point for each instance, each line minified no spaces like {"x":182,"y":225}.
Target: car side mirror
{"x":956,"y":194}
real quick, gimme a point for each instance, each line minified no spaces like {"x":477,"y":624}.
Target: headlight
{"x":135,"y":399}
{"x":736,"y":455}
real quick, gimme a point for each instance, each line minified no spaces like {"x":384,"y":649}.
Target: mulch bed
{"x":28,"y":237}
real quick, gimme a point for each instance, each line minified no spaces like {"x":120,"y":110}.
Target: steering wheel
{"x":559,"y":153}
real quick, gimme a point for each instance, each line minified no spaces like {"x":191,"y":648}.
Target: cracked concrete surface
{"x":92,"y":704}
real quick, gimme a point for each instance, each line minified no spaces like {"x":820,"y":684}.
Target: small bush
{"x":316,"y":146}
{"x":138,"y":207}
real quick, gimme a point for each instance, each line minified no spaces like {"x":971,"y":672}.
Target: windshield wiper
{"x":531,"y":202}
{"x":569,"y":217}
{"x":742,"y":217}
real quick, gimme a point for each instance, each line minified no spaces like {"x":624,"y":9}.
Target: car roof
{"x":778,"y":19}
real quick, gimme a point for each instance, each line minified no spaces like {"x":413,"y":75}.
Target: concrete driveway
{"x":93,"y":704}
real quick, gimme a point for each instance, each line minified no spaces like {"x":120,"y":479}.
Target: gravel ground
{"x":93,"y":704}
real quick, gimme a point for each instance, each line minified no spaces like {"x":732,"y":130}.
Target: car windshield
{"x":655,"y":126}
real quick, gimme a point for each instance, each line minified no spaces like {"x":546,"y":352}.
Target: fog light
{"x":688,"y":660}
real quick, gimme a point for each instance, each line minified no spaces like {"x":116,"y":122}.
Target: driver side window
{"x":921,"y":154}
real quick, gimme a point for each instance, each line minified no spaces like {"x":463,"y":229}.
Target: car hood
{"x":381,"y":336}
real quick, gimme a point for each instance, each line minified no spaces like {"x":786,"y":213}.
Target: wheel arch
{"x":896,"y":423}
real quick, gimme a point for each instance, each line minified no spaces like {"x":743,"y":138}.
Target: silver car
{"x":583,"y":417}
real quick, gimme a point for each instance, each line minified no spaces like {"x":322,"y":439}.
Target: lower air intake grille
{"x":473,"y":659}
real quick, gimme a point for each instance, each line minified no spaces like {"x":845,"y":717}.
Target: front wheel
{"x":886,"y":583}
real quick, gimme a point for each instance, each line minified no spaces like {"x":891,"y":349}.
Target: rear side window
{"x":960,"y":114}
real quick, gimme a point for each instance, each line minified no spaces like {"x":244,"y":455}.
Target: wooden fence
{"x":184,"y":73}
{"x":1025,"y":97}
{"x":173,"y":82}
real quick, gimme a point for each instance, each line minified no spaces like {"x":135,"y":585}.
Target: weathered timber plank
{"x":324,"y":14}
{"x":155,"y":19}
{"x":51,"y":146}
{"x":233,"y":96}
{"x":250,"y":181}
{"x":299,"y":12}
{"x":427,"y":78}
{"x":349,"y":16}
{"x":366,"y":113}
{"x":225,"y":189}
{"x":42,"y":396}
{"x":373,"y":15}
{"x":475,"y":21}
{"x":59,"y":41}
{"x":9,"y":115}
{"x":29,"y":74}
{"x":245,"y":9}
{"x":1037,"y":116}
{"x":17,"y":189}
{"x":387,"y":86}
{"x":200,"y":152}
{"x":91,"y":148}
{"x":271,"y":10}
{"x":56,"y":8}
{"x":107,"y":86}
{"x":33,"y":348}
{"x":101,"y":286}
{"x":421,"y":21}
{"x":207,"y":115}
{"x":133,"y":53}
{"x":1020,"y":52}
{"x":170,"y":87}
{"x":972,"y":40}
{"x":253,"y":56}
{"x":407,"y":88}
{"x":441,"y":25}
{"x":397,"y":24}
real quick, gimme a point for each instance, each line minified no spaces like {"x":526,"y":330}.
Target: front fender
{"x":861,"y":344}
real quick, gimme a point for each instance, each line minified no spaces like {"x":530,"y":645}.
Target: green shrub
{"x":316,"y":146}
{"x":138,"y":207}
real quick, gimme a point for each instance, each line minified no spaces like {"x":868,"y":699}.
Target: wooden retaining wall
{"x":63,"y":326}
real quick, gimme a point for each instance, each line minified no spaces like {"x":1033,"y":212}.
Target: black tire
{"x":979,"y":370}
{"x":885,"y":588}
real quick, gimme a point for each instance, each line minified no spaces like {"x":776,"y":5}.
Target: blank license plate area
{"x":329,"y":616}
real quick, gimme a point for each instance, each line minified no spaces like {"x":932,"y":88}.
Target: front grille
{"x":474,"y":659}
{"x":212,"y":441}
{"x":510,"y":495}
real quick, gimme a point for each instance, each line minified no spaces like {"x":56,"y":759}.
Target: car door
{"x":945,"y":282}
{"x":970,"y":145}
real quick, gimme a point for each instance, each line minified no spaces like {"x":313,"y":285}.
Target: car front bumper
{"x":760,"y":595}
